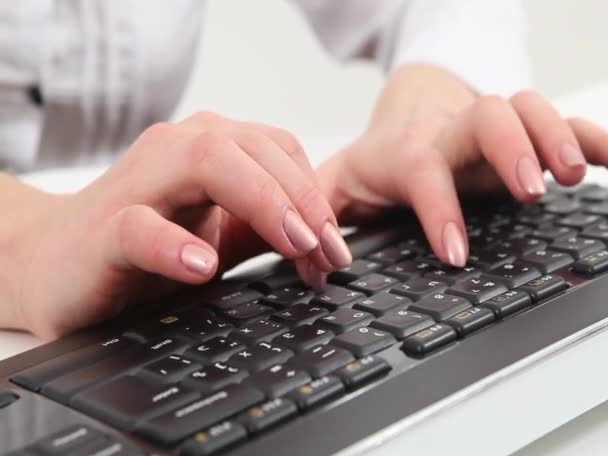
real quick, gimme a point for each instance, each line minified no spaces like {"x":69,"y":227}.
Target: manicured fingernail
{"x":299,"y":234}
{"x":317,"y":279}
{"x":197,"y":259}
{"x":334,"y":247}
{"x":454,"y":245}
{"x":530,"y":177}
{"x":571,"y":156}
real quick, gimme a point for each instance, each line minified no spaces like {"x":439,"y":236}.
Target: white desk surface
{"x":585,"y":435}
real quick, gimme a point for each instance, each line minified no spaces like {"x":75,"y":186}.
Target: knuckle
{"x":288,"y":142}
{"x":524,"y":96}
{"x":129,"y":221}
{"x":157,"y":132}
{"x":309,"y":199}
{"x":202,"y":147}
{"x":266,"y":195}
{"x":207,"y":118}
{"x":489,"y":102}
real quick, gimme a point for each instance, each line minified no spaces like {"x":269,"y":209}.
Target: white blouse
{"x":80,"y":79}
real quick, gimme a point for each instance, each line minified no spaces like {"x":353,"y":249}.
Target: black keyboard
{"x":268,"y":366}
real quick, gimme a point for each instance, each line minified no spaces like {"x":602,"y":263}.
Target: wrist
{"x":18,"y":233}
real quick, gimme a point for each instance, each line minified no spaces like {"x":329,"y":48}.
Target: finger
{"x":551,"y":136}
{"x":210,"y":167}
{"x":311,"y":275}
{"x":140,"y":238}
{"x":332,"y":253}
{"x":427,"y":184}
{"x":593,"y":140}
{"x":492,"y":126}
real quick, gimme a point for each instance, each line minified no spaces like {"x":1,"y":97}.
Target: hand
{"x":181,"y":196}
{"x":431,"y":137}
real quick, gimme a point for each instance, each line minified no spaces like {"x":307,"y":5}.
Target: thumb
{"x":140,"y":238}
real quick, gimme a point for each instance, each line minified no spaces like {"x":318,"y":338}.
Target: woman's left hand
{"x":431,"y":138}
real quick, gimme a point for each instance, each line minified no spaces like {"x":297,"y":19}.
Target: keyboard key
{"x":300,"y":314}
{"x":548,"y":260}
{"x":390,"y":255}
{"x":35,"y":377}
{"x":66,"y":440}
{"x":258,"y":331}
{"x":260,"y":357}
{"x":286,"y":297}
{"x":592,"y":264}
{"x":216,"y":349}
{"x":508,"y":303}
{"x":304,"y":337}
{"x":381,"y":303}
{"x":214,"y":377}
{"x":247,"y":313}
{"x":552,"y":233}
{"x":428,"y":340}
{"x":523,"y":246}
{"x":477,"y":290}
{"x":578,"y":247}
{"x":362,"y":371}
{"x":106,"y":447}
{"x":321,"y":360}
{"x":7,"y":397}
{"x":126,"y":400}
{"x":170,"y":369}
{"x":419,"y":287}
{"x":276,"y":281}
{"x":578,"y":220}
{"x":206,"y":328}
{"x":597,"y":194}
{"x":279,"y":379}
{"x":214,"y":439}
{"x":343,"y":320}
{"x":536,"y":219}
{"x":235,"y":299}
{"x":173,"y":427}
{"x":598,"y":209}
{"x":402,"y":323}
{"x":563,"y":206}
{"x":62,"y":388}
{"x":316,"y":392}
{"x":263,"y":416}
{"x":513,"y":274}
{"x":470,"y":320}
{"x":358,"y":268}
{"x":334,"y":297}
{"x":407,"y":270}
{"x":599,"y":231}
{"x":440,"y":306}
{"x":490,"y":258}
{"x":544,"y":286}
{"x":452,"y":275}
{"x":364,"y":341}
{"x":164,"y":326}
{"x":372,"y":283}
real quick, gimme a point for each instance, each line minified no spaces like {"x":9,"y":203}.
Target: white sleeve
{"x":483,"y":42}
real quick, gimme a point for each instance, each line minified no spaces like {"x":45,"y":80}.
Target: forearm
{"x":20,"y":205}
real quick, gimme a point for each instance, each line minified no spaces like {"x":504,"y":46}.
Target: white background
{"x":259,"y":61}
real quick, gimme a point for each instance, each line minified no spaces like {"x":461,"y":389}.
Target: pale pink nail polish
{"x":197,"y":259}
{"x":334,"y":247}
{"x":530,"y":177}
{"x":317,"y":279}
{"x":299,"y":234}
{"x":571,"y":156}
{"x":454,"y":245}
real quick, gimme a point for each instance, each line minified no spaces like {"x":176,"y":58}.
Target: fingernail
{"x":571,"y":156}
{"x":454,"y":245}
{"x":317,"y":279}
{"x":530,"y":177}
{"x":197,"y":259}
{"x":298,"y":233}
{"x":334,"y":247}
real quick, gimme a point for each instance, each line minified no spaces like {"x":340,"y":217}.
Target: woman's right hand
{"x":182,"y":195}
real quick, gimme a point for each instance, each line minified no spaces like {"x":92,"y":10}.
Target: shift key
{"x":63,"y":388}
{"x":173,"y":427}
